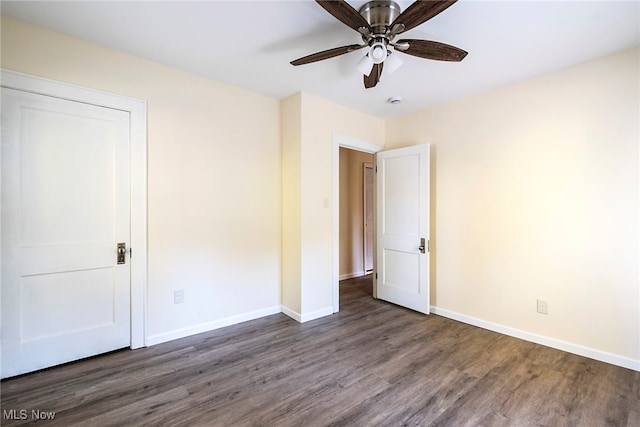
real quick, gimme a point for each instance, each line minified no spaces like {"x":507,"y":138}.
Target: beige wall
{"x":291,"y":202}
{"x":214,"y":206}
{"x":321,"y":120}
{"x":535,"y":194}
{"x":318,"y":120}
{"x":352,"y":211}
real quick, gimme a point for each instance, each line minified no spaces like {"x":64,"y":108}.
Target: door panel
{"x":401,"y":195}
{"x":402,"y":221}
{"x":93,"y":304}
{"x":405,"y":274}
{"x":65,"y":198}
{"x":62,"y":175}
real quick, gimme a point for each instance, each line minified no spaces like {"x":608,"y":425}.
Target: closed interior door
{"x":65,"y":207}
{"x":402,"y":220}
{"x":368,"y":217}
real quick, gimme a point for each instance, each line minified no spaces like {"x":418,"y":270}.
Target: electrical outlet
{"x":178,"y":296}
{"x":543,"y":308}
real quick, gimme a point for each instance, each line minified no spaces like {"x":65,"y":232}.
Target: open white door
{"x":402,"y":216}
{"x":65,"y":207}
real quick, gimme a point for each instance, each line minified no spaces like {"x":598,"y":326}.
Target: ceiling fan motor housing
{"x":380,"y":14}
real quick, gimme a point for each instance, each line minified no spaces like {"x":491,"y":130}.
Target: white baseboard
{"x":292,"y":313}
{"x":351,"y":275}
{"x":580,"y":350}
{"x":307,"y":316}
{"x":210,"y":326}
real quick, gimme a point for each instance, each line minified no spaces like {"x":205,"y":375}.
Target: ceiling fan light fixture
{"x":365,"y":65}
{"x":392,"y":63}
{"x":378,"y":52}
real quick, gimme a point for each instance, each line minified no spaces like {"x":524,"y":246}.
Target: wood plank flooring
{"x":372,"y":364}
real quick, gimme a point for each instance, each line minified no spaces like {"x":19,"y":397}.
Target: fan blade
{"x":374,"y":77}
{"x":420,"y":12}
{"x":326,"y":54}
{"x":343,"y":12}
{"x":433,"y":50}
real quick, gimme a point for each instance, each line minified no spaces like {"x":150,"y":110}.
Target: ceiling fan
{"x":379,"y":22}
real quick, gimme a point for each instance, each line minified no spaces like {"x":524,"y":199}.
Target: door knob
{"x":122,"y":251}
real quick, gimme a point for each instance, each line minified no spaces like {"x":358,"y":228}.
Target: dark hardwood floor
{"x":372,"y":364}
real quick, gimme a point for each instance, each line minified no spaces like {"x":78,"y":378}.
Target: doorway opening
{"x":356,"y":213}
{"x":348,"y":210}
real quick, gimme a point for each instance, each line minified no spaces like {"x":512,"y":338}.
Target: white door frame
{"x":137,"y":110}
{"x":345,"y":141}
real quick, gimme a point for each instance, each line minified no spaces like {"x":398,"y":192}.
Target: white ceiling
{"x":250,"y":43}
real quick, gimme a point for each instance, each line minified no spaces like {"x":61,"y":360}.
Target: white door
{"x":402,"y":189}
{"x":368,"y":217}
{"x":65,"y":206}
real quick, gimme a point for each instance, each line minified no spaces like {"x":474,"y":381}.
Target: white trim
{"x":138,"y":132}
{"x":292,"y":314}
{"x":352,"y":275}
{"x":357,"y":144}
{"x":139,"y":217}
{"x":340,"y":140}
{"x":316,"y":314}
{"x":308,"y":316}
{"x":210,"y":326}
{"x":580,"y":350}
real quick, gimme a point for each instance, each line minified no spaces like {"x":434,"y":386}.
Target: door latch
{"x":122,"y":252}
{"x":421,"y":248}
